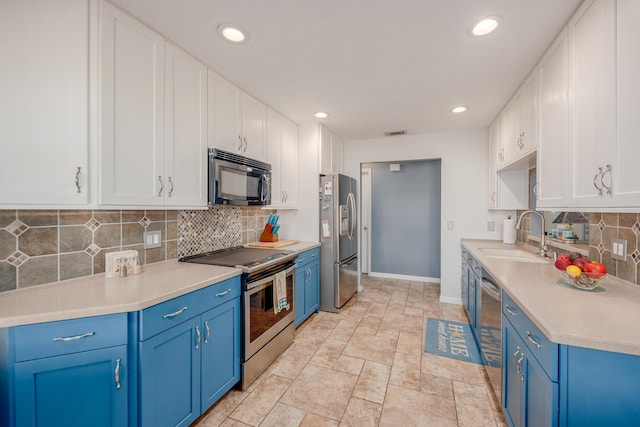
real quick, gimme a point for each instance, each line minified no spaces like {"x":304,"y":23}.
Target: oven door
{"x":261,"y":323}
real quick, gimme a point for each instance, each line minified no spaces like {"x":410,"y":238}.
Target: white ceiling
{"x":374,"y":65}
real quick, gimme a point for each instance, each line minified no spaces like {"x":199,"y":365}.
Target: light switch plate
{"x":619,"y":249}
{"x":152,"y":239}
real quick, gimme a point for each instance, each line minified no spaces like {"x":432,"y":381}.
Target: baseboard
{"x":450,"y":300}
{"x":405,"y":277}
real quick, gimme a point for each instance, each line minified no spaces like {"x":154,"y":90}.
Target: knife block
{"x":268,"y":235}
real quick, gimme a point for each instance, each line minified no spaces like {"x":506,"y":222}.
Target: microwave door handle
{"x":267,"y":184}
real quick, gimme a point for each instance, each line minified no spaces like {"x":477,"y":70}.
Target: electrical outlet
{"x":491,"y":226}
{"x":450,"y":225}
{"x":619,"y":249}
{"x":152,"y":239}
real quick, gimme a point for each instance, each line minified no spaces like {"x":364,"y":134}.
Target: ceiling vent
{"x":395,"y":133}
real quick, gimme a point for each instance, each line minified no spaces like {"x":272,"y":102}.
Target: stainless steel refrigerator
{"x":339,"y":241}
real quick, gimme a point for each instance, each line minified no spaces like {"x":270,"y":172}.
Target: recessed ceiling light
{"x":460,"y":109}
{"x":233,"y":33}
{"x":485,"y":26}
{"x":321,"y":115}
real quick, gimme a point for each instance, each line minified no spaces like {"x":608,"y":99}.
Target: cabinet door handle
{"x":286,"y":196}
{"x":531,"y":340}
{"x":520,"y":360}
{"x":77,"y":179}
{"x":509,"y":310}
{"x":75,"y":337}
{"x":199,"y":337}
{"x":117,"y":373}
{"x":514,"y":360}
{"x":244,"y":150}
{"x":221,"y":294}
{"x":206,"y":326}
{"x":240,"y":142}
{"x":170,"y":186}
{"x":595,"y":184}
{"x":161,"y":186}
{"x":607,"y":170}
{"x":175,"y":313}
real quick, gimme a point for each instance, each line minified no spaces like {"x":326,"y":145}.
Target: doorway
{"x":401,"y":210}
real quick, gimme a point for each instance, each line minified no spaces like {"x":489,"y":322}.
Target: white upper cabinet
{"x":626,"y":169}
{"x":592,"y":102}
{"x":225,"y":114}
{"x":131,"y":112}
{"x":282,"y":154}
{"x":330,"y":151}
{"x":526,"y":112}
{"x":153,"y":116}
{"x":254,"y":127}
{"x":185,"y":154}
{"x":554,"y":120}
{"x":505,"y":136}
{"x":237,"y":121}
{"x":44,"y":103}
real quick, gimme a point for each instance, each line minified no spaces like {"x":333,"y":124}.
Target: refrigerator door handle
{"x":351,"y":201}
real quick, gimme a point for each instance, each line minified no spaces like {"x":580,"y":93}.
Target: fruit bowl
{"x":587,"y":281}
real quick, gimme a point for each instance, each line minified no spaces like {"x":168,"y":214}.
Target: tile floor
{"x":366,"y":367}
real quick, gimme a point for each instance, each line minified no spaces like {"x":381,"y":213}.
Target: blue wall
{"x":405,"y":218}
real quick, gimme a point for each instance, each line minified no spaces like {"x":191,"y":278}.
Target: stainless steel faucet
{"x":543,"y":245}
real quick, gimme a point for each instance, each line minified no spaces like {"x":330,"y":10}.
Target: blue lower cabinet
{"x":307,"y":297}
{"x":600,"y":388}
{"x":170,"y":376}
{"x":530,"y":397}
{"x":78,"y":389}
{"x":189,"y":354}
{"x":220,"y":351}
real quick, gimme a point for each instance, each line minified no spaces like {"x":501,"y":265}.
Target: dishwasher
{"x":490,"y":315}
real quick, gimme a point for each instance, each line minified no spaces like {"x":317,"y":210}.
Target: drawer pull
{"x":509,"y":310}
{"x":314,"y":255}
{"x":206,"y":325}
{"x":221,"y":294}
{"x":199,"y":337}
{"x":531,"y":340}
{"x":117,"y":373}
{"x":74,"y":338}
{"x":174,"y":314}
{"x":300,"y":260}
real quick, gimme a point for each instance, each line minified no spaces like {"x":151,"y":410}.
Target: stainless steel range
{"x":267,"y":330}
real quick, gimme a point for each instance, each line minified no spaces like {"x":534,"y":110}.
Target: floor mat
{"x":451,"y":339}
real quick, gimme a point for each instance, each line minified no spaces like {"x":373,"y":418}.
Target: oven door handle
{"x":252,"y":287}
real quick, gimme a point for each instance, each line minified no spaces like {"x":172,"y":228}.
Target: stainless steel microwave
{"x":238,"y":180}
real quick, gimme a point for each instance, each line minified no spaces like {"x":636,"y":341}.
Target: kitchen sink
{"x":517,"y":255}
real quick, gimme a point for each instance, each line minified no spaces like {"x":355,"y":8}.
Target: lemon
{"x":573,"y":271}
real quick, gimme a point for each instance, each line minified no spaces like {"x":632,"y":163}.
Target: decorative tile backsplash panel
{"x":43,"y":246}
{"x":603,"y":228}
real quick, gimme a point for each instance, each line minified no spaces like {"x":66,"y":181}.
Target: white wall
{"x":464,"y":188}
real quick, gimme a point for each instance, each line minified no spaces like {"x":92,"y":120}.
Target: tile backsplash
{"x":42,"y":246}
{"x":603,"y":228}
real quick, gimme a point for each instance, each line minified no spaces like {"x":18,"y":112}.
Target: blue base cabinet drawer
{"x":69,"y":336}
{"x":163,"y":316}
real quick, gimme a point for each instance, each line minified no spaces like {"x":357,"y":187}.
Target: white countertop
{"x":601,"y":320}
{"x":97,"y":295}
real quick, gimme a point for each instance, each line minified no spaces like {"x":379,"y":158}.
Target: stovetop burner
{"x":247,"y":259}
